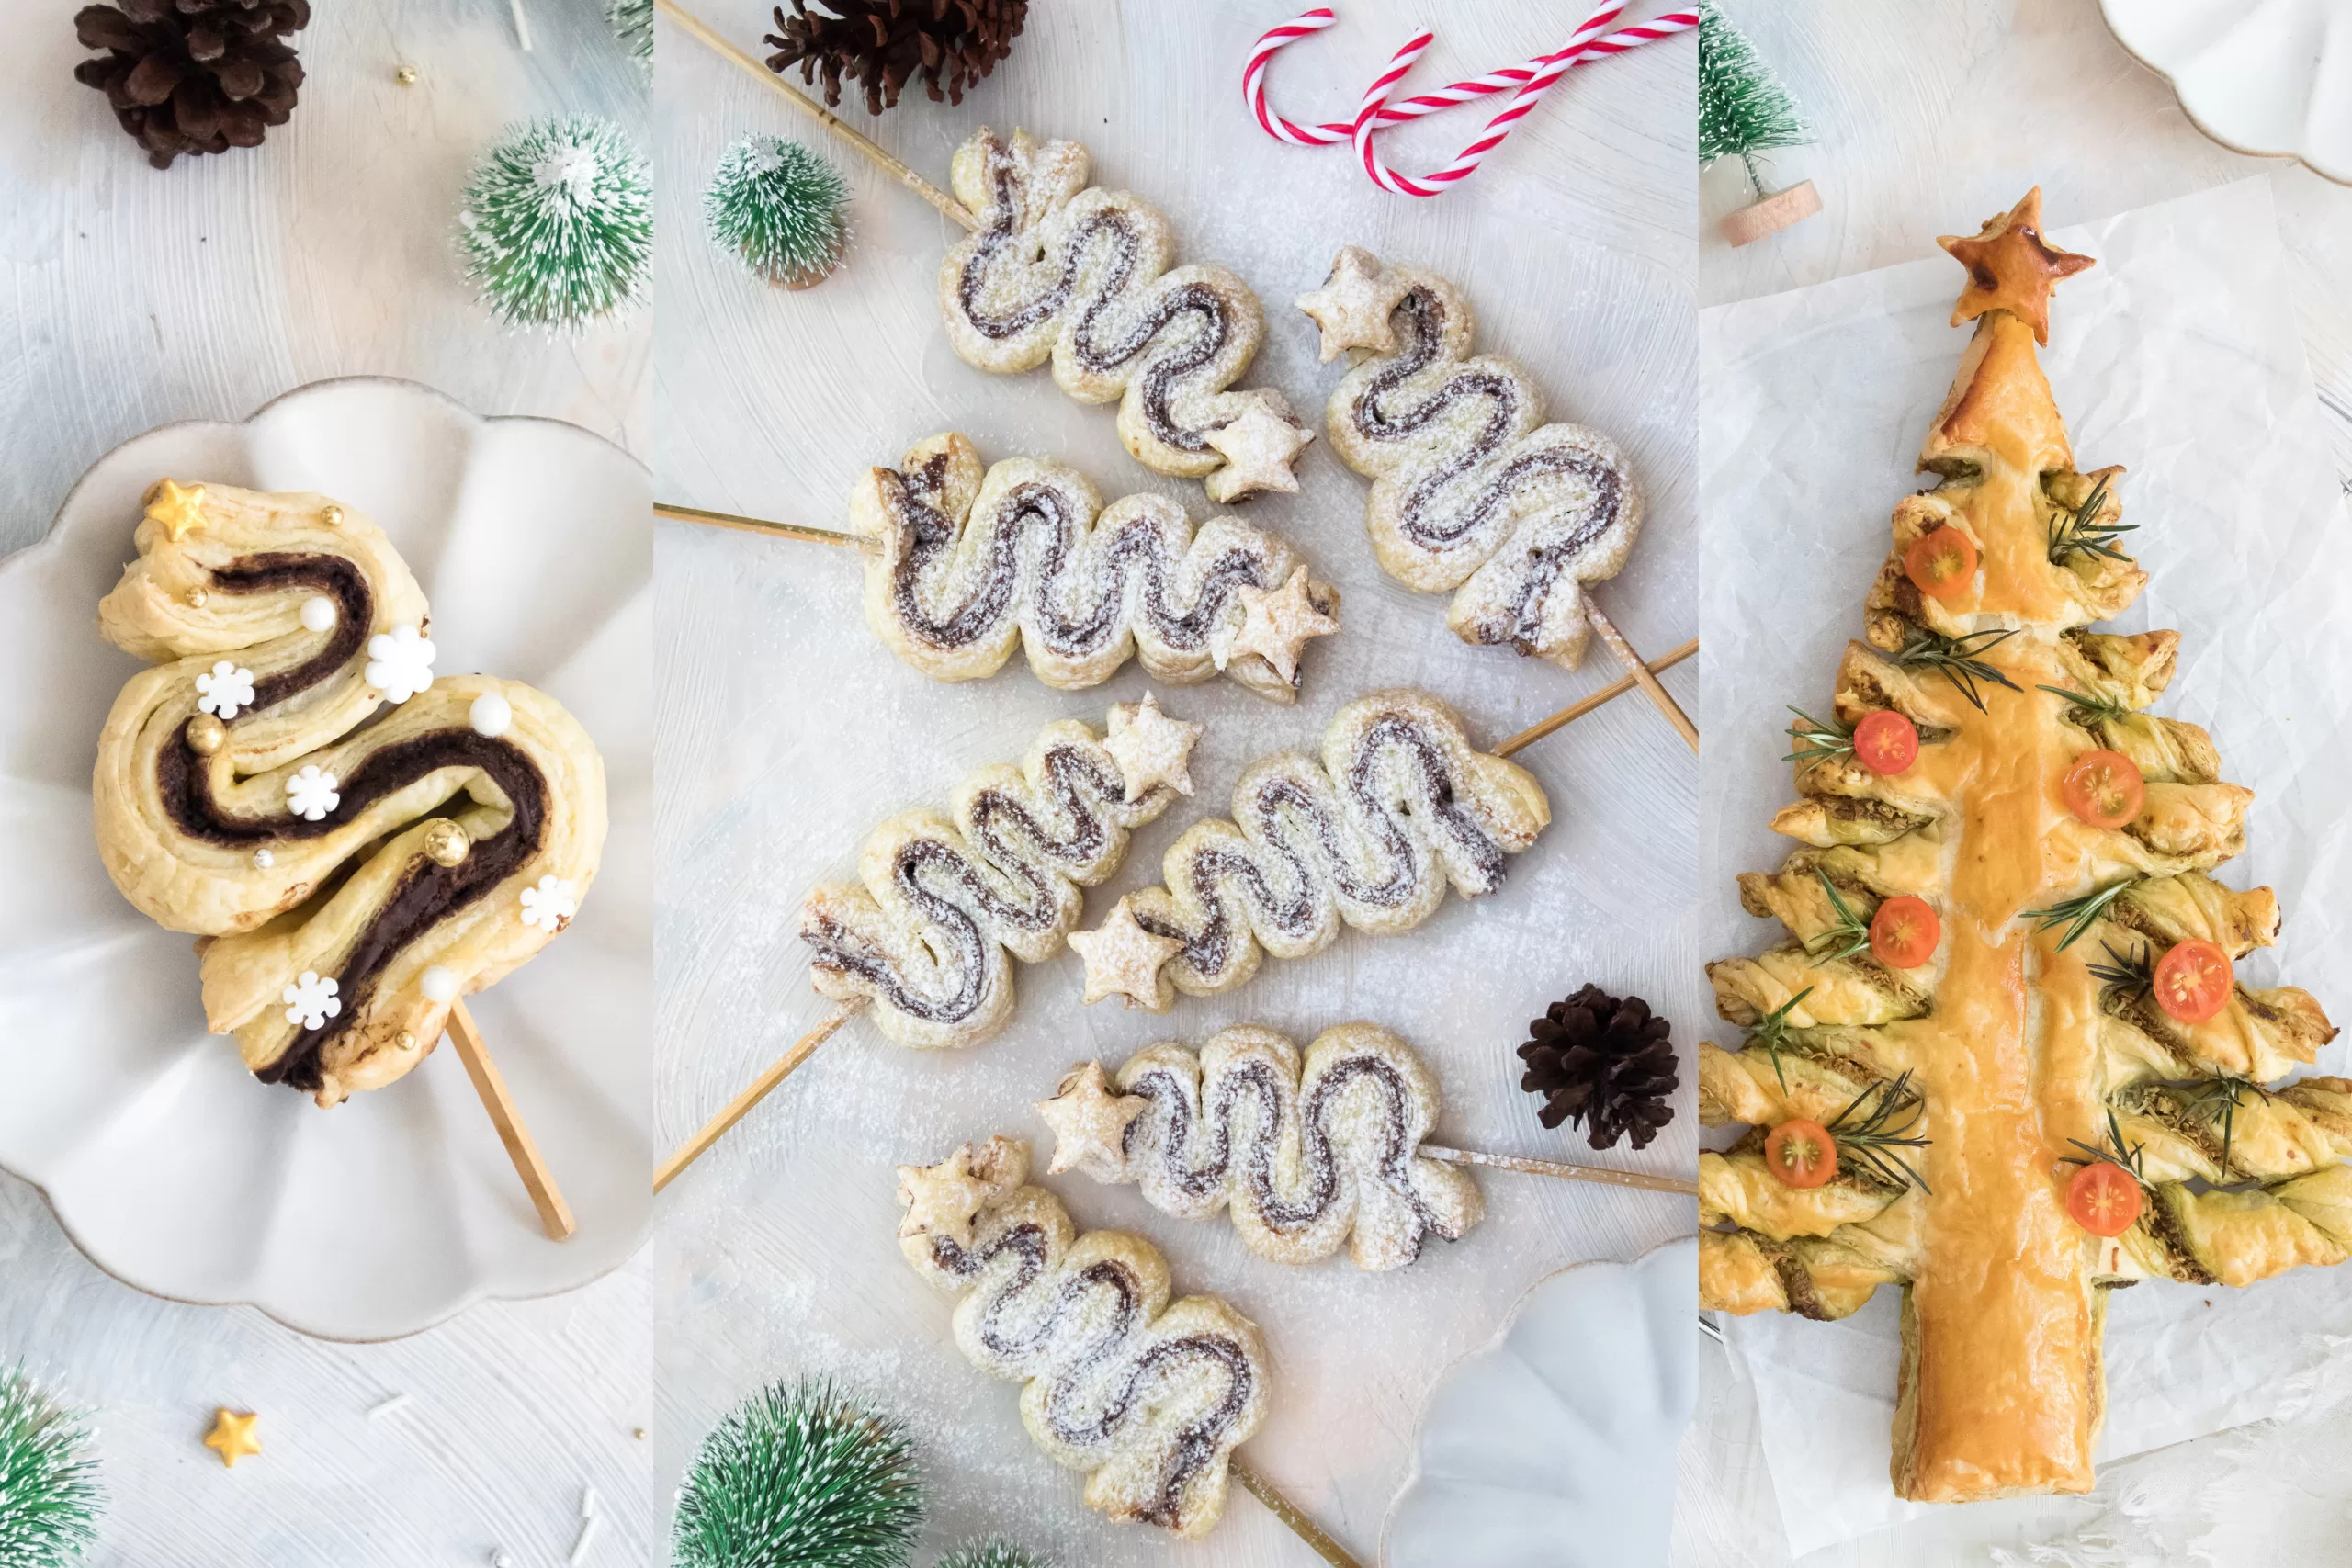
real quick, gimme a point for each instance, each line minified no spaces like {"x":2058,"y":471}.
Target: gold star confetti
{"x":2011,"y":268}
{"x":232,"y":1436}
{"x":180,"y":509}
{"x":1354,"y":304}
{"x":1277,"y":623}
{"x":1257,"y":447}
{"x":1150,"y":748}
{"x":1124,"y":960}
{"x":1090,"y":1120}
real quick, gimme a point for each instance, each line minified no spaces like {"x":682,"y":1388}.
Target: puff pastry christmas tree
{"x":2002,"y":1058}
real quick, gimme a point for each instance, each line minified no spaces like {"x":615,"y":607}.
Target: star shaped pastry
{"x":1275,"y":623}
{"x":1090,"y":1120}
{"x":1150,"y":748}
{"x":1354,"y":305}
{"x":2011,"y":267}
{"x":179,"y":508}
{"x":1258,"y":449}
{"x":945,"y":1199}
{"x":232,"y":1437}
{"x":1123,"y":959}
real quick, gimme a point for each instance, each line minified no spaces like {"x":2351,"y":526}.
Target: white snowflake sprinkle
{"x":311,"y":794}
{"x":400,"y":663}
{"x":548,"y":905}
{"x":310,"y":1000}
{"x":228,"y":688}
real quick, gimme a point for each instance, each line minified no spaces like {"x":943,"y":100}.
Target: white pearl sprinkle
{"x":439,"y":984}
{"x":318,"y":613}
{"x":490,"y":714}
{"x":264,"y":859}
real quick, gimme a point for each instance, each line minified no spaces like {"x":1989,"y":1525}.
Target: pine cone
{"x":194,"y":75}
{"x":1604,"y":1063}
{"x":880,"y":43}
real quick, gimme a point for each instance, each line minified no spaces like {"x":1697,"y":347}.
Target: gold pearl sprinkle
{"x":407,"y":1041}
{"x":331,"y":515}
{"x":405,"y":75}
{"x":198,"y":598}
{"x":446,"y":844}
{"x":205,"y":735}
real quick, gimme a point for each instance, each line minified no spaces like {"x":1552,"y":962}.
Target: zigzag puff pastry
{"x":2043,"y":1028}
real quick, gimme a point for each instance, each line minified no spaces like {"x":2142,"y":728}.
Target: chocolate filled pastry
{"x":1064,"y":271}
{"x":974,"y":563}
{"x":1304,"y":1155}
{"x":365,"y":842}
{"x":1149,"y":1395}
{"x":2002,"y":1059}
{"x":1399,"y":808}
{"x":948,"y":900}
{"x":1473,"y":494}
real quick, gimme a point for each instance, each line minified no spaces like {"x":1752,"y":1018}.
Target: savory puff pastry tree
{"x":2074,"y":1039}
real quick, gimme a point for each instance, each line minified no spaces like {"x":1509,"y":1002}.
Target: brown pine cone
{"x":880,"y":43}
{"x":1604,"y":1063}
{"x":194,"y":75}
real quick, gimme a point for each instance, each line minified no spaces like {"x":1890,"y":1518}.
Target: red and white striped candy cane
{"x":1527,"y":84}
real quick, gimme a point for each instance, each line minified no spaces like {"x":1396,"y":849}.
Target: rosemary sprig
{"x":2106,"y":708}
{"x":2078,"y":915}
{"x":2126,"y":978}
{"x":1881,"y":1127}
{"x":1851,"y":931}
{"x":1771,"y":1031}
{"x":1956,"y":657}
{"x":2079,"y":532}
{"x":2216,"y":1100}
{"x":2117,"y":1153}
{"x":1817,"y":741}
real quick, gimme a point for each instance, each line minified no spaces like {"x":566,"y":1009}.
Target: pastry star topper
{"x":2011,"y":267}
{"x":946,"y":1198}
{"x":1090,"y":1118}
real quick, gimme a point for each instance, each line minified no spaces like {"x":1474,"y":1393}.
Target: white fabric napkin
{"x":2179,"y":356}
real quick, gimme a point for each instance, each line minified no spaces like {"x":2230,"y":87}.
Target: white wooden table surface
{"x":790,"y":731}
{"x":1932,"y":115}
{"x":135,"y":297}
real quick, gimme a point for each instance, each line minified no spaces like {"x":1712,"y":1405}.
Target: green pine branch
{"x":48,"y":1480}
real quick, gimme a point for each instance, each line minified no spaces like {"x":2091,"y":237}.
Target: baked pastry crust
{"x":312,"y":830}
{"x":2020,"y":1051}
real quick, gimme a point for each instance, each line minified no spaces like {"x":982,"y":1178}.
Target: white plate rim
{"x":2107,"y":18}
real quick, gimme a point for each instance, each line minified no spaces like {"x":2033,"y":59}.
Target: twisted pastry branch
{"x":1306,"y":1155}
{"x":1150,"y":1396}
{"x":1471,"y":493}
{"x":361,"y":876}
{"x":1083,"y":276}
{"x":973,"y":563}
{"x":949,"y":899}
{"x":1399,"y":806}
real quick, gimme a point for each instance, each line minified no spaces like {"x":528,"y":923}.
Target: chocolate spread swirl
{"x":1098,"y":1375}
{"x":426,"y":892}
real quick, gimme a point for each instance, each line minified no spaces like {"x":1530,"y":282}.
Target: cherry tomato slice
{"x":1905,"y":931}
{"x":2105,"y":789}
{"x":1941,"y":563}
{"x":1887,"y":742}
{"x":2103,"y":1198}
{"x":2194,"y":981}
{"x":1801,"y":1153}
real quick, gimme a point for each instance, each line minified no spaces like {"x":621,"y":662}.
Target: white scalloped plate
{"x":169,"y":1165}
{"x":1554,"y":1447}
{"x":2270,"y":77}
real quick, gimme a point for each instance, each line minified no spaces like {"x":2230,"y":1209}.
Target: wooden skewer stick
{"x":760,"y":1087}
{"x":1616,"y":688}
{"x":1282,"y":1509}
{"x":800,"y":531}
{"x":1572,"y":1172}
{"x":555,"y":1215}
{"x":1641,"y":673}
{"x":701,"y":32}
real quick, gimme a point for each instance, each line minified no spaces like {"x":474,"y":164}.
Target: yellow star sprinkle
{"x":180,"y":509}
{"x":232,"y":1437}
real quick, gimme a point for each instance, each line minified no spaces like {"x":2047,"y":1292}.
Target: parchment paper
{"x":2178,"y":356}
